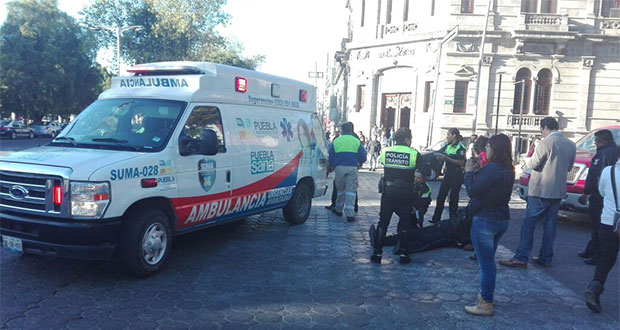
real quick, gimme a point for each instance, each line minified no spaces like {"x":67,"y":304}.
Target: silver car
{"x":51,"y":128}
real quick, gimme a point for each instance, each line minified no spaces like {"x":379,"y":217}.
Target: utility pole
{"x":118,"y":30}
{"x":518,"y":141}
{"x":484,"y":37}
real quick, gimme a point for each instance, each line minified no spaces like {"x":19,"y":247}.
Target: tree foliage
{"x":47,"y":63}
{"x":173,"y":30}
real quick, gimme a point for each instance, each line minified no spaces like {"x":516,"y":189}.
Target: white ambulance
{"x":176,"y":147}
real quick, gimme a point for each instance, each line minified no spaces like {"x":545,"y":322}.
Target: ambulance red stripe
{"x":188,"y":209}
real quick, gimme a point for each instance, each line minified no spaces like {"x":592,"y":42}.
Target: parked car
{"x":431,"y":165}
{"x":576,"y":178}
{"x":51,"y":128}
{"x":13,"y":129}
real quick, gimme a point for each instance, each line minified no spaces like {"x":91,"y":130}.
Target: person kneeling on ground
{"x":421,"y":198}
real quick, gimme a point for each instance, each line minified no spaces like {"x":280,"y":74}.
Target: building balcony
{"x":527,"y":122}
{"x":608,"y":26}
{"x":398,"y":30}
{"x":543,"y":22}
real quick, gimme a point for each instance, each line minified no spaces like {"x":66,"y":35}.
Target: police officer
{"x":606,"y":154}
{"x":453,"y":154}
{"x":399,"y":163}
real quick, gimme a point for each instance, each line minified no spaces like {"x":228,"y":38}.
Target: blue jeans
{"x":485,"y":235}
{"x":544,"y":208}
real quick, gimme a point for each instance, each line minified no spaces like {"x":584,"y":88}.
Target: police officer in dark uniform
{"x":399,"y":163}
{"x":453,"y":154}
{"x":606,"y":154}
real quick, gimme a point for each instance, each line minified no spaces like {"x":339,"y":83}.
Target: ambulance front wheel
{"x":146,"y":238}
{"x":298,"y":208}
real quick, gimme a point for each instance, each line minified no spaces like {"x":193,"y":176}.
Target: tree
{"x":47,"y":64}
{"x":173,"y":30}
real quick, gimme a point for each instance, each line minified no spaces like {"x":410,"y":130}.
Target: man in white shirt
{"x":609,"y":240}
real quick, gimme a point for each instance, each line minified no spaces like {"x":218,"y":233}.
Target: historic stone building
{"x":415,"y":63}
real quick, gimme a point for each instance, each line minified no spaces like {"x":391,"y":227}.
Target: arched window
{"x":542,"y":93}
{"x":526,"y":76}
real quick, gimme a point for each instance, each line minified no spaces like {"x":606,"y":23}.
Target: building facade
{"x":419,"y":64}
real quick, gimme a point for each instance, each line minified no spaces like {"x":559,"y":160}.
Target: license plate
{"x":12,"y":243}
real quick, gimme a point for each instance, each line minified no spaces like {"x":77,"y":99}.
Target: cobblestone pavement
{"x":265,"y":274}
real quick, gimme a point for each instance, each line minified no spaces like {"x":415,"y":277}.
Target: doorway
{"x":395,"y":110}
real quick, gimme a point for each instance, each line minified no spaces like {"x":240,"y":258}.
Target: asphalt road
{"x":263,"y":273}
{"x":7,"y":145}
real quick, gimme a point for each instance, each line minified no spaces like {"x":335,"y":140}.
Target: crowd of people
{"x":485,"y":168}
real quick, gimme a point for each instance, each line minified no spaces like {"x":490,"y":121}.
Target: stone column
{"x":587,"y":63}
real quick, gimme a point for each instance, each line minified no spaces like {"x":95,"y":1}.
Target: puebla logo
{"x":287,"y":131}
{"x":206,"y":173}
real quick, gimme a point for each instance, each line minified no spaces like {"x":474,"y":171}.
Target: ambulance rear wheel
{"x":146,"y":238}
{"x":298,"y":208}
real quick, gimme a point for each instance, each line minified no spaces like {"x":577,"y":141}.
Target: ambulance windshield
{"x":123,"y":124}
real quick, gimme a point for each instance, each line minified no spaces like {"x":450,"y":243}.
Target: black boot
{"x":405,"y":240}
{"x":378,"y":247}
{"x":593,"y":292}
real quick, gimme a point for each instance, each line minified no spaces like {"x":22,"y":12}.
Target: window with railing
{"x":523,"y":86}
{"x":542,"y":93}
{"x":610,"y":8}
{"x":467,"y":6}
{"x":388,"y":12}
{"x":406,"y":11}
{"x":543,"y":7}
{"x":460,"y":96}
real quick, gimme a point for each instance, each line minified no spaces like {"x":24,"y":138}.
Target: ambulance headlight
{"x":89,"y":199}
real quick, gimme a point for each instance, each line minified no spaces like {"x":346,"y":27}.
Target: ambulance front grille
{"x":28,"y":192}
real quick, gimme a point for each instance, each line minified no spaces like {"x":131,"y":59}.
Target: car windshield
{"x":126,"y":124}
{"x":587,"y":142}
{"x":4,"y":122}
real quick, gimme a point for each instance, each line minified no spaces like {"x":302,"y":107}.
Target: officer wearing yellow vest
{"x":346,"y":154}
{"x":453,"y":154}
{"x":399,"y":162}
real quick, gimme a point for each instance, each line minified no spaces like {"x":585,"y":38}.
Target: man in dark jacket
{"x":606,"y":154}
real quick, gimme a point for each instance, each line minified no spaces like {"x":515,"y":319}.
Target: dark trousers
{"x":425,"y":239}
{"x":399,"y":201}
{"x":608,"y":252}
{"x":595,"y":210}
{"x":335,"y":194}
{"x":451,"y":183}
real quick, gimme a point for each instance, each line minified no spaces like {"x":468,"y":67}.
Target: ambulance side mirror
{"x":208,"y":142}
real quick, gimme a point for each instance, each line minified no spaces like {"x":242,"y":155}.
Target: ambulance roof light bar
{"x":146,"y":70}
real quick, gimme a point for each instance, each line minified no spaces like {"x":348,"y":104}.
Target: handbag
{"x":616,"y":223}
